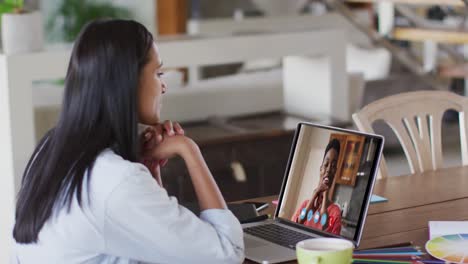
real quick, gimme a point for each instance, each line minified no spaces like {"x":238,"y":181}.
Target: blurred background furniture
{"x":233,"y":96}
{"x":416,"y":119}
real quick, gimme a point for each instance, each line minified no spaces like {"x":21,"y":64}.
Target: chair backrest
{"x":416,"y":119}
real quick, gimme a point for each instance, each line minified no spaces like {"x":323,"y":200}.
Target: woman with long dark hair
{"x":86,"y":196}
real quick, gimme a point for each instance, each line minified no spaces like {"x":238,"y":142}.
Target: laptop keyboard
{"x":277,"y":234}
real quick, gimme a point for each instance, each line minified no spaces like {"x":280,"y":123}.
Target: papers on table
{"x":377,"y":199}
{"x":441,"y":228}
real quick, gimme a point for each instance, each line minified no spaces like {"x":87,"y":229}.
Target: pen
{"x":406,"y":244}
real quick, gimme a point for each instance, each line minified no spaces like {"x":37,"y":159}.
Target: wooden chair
{"x":416,"y":119}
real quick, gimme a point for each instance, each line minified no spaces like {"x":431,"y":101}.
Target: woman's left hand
{"x":151,"y":137}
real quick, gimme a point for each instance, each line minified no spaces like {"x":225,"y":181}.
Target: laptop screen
{"x":329,"y":180}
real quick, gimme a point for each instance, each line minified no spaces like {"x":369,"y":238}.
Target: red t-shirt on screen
{"x":334,"y":218}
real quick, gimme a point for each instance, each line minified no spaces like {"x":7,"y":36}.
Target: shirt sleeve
{"x":143,"y":223}
{"x":335,"y":220}
{"x":295,"y":217}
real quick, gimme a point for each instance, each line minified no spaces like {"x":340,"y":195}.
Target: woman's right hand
{"x":323,"y":187}
{"x":178,"y":145}
{"x":153,"y":135}
{"x":208,"y":194}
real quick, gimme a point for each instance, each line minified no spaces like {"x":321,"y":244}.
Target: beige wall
{"x":305,"y":168}
{"x":295,"y":173}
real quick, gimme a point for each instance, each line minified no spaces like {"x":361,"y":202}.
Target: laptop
{"x":326,"y":192}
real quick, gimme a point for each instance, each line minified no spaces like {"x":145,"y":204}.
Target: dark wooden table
{"x":413,"y":201}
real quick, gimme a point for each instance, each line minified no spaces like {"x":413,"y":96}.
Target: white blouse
{"x":126,"y":217}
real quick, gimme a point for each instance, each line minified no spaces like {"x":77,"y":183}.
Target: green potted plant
{"x":66,"y":21}
{"x":21,"y":30}
{"x":10,"y":6}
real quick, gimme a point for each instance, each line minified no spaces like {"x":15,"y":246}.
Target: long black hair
{"x":99,"y":111}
